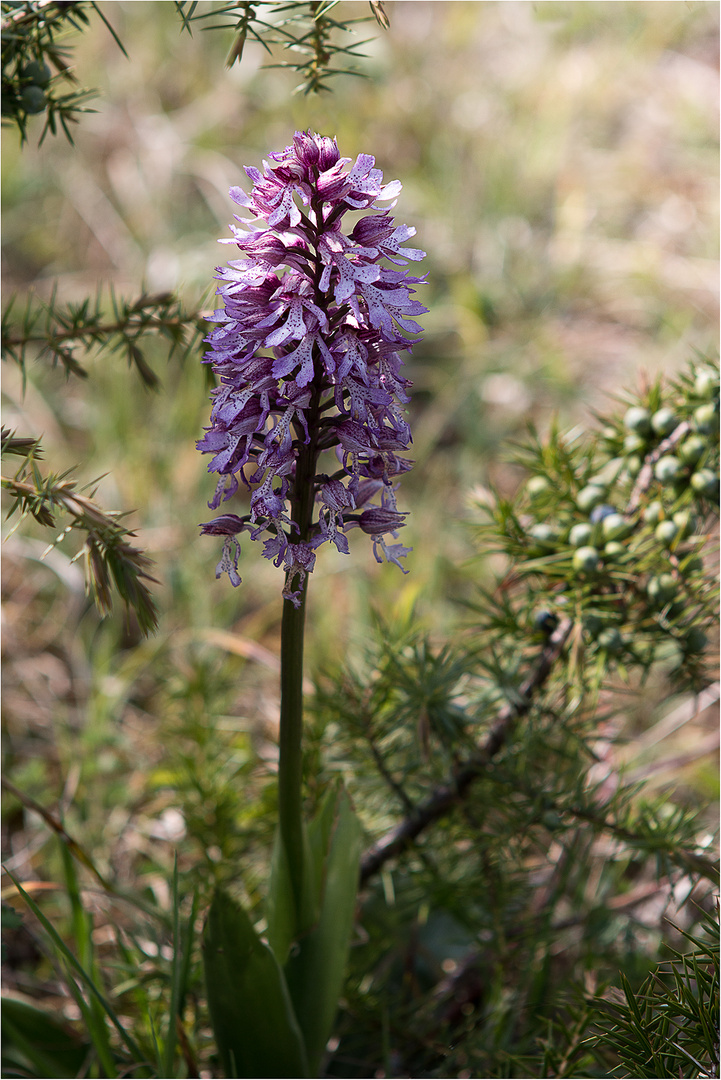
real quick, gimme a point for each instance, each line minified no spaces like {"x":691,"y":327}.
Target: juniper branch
{"x":29,"y":86}
{"x":444,"y":797}
{"x":648,"y":839}
{"x":108,"y":557}
{"x":57,"y":331}
{"x":305,"y":29}
{"x":621,"y":593}
{"x":20,"y":445}
{"x":645,"y":476}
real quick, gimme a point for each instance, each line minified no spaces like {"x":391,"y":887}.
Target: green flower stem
{"x":290,"y":768}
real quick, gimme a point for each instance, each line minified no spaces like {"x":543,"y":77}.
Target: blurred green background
{"x":560,"y":163}
{"x":558,"y":160}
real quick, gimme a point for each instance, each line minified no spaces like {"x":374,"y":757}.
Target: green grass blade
{"x":187,"y":952}
{"x":62,"y":948}
{"x":156,"y":1048}
{"x":82,"y":930}
{"x":175,"y":992}
{"x":98,"y":1038}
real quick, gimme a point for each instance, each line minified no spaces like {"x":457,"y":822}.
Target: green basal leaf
{"x":33,"y":1035}
{"x":285,"y":925}
{"x":255,"y":1027}
{"x":316,"y":969}
{"x":280,"y":910}
{"x":320,"y":832}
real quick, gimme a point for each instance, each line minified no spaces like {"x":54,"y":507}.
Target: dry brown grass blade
{"x":57,"y":826}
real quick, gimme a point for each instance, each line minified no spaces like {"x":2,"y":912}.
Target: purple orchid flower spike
{"x":307,"y":349}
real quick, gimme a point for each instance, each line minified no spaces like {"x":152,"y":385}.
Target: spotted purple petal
{"x":306,"y":349}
